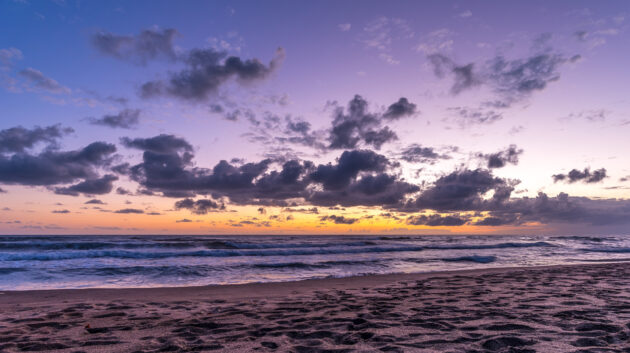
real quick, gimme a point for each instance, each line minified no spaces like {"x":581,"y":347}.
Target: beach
{"x":567,"y":308}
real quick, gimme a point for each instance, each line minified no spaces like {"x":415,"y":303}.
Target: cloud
{"x":585,"y":176}
{"x":126,"y":119}
{"x":129,"y":211}
{"x":351,"y":127}
{"x":18,"y":139}
{"x":400,"y":109}
{"x":201,"y":206}
{"x":312,"y":210}
{"x":171,"y":172}
{"x":564,"y":209}
{"x":440,"y":40}
{"x":38,"y":80}
{"x":185,"y":220}
{"x":511,"y":79}
{"x":339,"y":219}
{"x":147,"y":45}
{"x":94,"y":202}
{"x":381,"y":33}
{"x":480,"y":194}
{"x":159,"y":144}
{"x":463,"y":75}
{"x":356,"y":125}
{"x":9,"y":55}
{"x":350,"y":163}
{"x":520,"y":77}
{"x":344,"y":27}
{"x":103,"y":185}
{"x":502,"y":158}
{"x":122,"y":191}
{"x":52,"y":167}
{"x":467,"y":116}
{"x":60,"y":211}
{"x":593,"y":115}
{"x":436,"y":220}
{"x":206,"y":70}
{"x":462,"y":190}
{"x":381,"y":190}
{"x":415,"y":153}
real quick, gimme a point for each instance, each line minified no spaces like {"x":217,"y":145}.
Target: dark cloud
{"x":463,"y":190}
{"x":478,"y":192}
{"x":563,"y":209}
{"x":370,"y":190}
{"x":497,"y":221}
{"x":355,"y":124}
{"x":122,"y":191}
{"x":171,"y":172}
{"x":520,"y":77}
{"x":206,"y":70}
{"x":185,"y":220}
{"x":40,"y":81}
{"x":467,"y":116}
{"x":146,"y":45}
{"x":511,"y":79}
{"x":18,"y":139}
{"x":415,"y":153}
{"x":352,"y":127}
{"x":61,"y":211}
{"x":95,"y":202}
{"x":436,"y":220}
{"x":339,"y":219}
{"x":312,"y":210}
{"x":400,"y":109}
{"x":167,"y":168}
{"x":55,"y":167}
{"x":99,"y":186}
{"x":201,"y":206}
{"x":158,"y":144}
{"x":350,"y":163}
{"x":126,"y":119}
{"x":585,"y":176}
{"x":358,"y":178}
{"x":122,"y":169}
{"x":130,"y":211}
{"x":463,"y":75}
{"x":500,"y":159}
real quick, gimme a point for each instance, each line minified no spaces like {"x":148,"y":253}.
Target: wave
{"x":489,"y":246}
{"x":124,"y":254}
{"x":218,"y":244}
{"x":473,"y":258}
{"x":608,"y":250}
{"x":90,"y":245}
{"x":10,"y":270}
{"x":317,"y":265}
{"x":189,"y":244}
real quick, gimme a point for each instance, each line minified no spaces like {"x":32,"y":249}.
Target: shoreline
{"x":557,"y":308}
{"x":260,"y":289}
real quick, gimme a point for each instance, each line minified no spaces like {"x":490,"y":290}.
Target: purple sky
{"x":245,"y":117}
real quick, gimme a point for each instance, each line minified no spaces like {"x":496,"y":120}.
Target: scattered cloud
{"x":125,"y":119}
{"x":585,"y":176}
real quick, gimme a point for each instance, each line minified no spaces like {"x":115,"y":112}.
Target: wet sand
{"x":581,"y":308}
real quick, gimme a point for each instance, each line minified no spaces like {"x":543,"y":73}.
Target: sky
{"x":326,"y":117}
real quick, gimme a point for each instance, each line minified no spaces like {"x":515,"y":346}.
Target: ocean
{"x":53,"y":262}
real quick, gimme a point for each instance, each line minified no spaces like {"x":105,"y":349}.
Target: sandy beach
{"x":581,"y":308}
